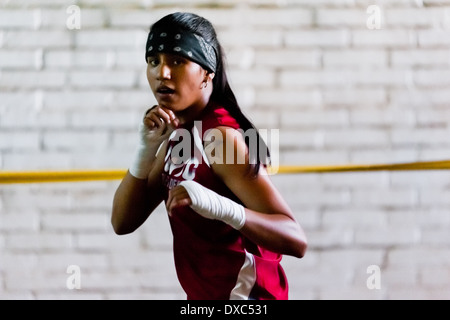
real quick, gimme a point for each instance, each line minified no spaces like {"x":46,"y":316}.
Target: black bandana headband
{"x":184,"y":43}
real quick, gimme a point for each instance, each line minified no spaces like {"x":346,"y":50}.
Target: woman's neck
{"x":192,"y":112}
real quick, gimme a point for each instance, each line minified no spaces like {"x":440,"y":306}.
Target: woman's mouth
{"x":165,"y":90}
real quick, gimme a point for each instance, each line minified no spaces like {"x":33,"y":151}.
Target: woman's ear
{"x":209,"y":76}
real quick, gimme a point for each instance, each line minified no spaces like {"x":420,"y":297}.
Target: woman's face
{"x":175,"y":81}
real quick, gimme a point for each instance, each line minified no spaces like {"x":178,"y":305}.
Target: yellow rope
{"x":60,"y":176}
{"x":425,"y":165}
{"x":116,"y":174}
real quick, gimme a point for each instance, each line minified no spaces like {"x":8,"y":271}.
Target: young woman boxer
{"x":230,"y":224}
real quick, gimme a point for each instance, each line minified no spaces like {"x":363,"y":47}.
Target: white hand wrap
{"x":211,"y":205}
{"x":143,"y":155}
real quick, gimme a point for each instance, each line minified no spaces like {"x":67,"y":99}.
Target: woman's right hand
{"x":158,"y":123}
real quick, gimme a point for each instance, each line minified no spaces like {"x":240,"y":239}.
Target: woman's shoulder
{"x":218,"y":116}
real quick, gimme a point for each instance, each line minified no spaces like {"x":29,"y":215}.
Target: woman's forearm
{"x":133,"y":202}
{"x":275,"y":232}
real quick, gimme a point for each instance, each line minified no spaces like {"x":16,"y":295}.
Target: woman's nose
{"x":164,"y":71}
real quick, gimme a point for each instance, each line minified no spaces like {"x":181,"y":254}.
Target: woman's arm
{"x":269,"y":221}
{"x":140,"y":191}
{"x":135,"y":199}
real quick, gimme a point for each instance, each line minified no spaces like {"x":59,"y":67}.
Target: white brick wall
{"x":338,"y":91}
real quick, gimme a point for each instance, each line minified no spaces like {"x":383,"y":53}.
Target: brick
{"x":431,"y":222}
{"x":436,"y":277}
{"x":383,"y":118}
{"x":396,"y":236}
{"x":79,"y":99}
{"x":257,"y":78}
{"x":37,"y":241}
{"x":136,"y":101}
{"x":433,"y":179}
{"x":290,"y":79}
{"x":352,"y":258}
{"x":338,"y":237}
{"x":17,"y":101}
{"x":15,"y":59}
{"x":32,"y":80}
{"x":317,"y":38}
{"x":83,"y":59}
{"x":426,"y":294}
{"x":355,"y":138}
{"x":35,"y":200}
{"x":428,"y":118}
{"x":18,"y":262}
{"x":384,"y":38}
{"x":355,"y":59}
{"x":433,"y":38}
{"x":12,"y":221}
{"x":16,"y":19}
{"x":297,"y":139}
{"x":400,"y":277}
{"x":340,"y":217}
{"x":433,"y":153}
{"x":365,"y":98}
{"x":419,"y":58}
{"x":37,"y":39}
{"x":342,"y":17}
{"x":437,"y":197}
{"x":323,"y":197}
{"x":129,"y":59}
{"x":425,"y":98}
{"x":43,"y":3}
{"x":124,"y":140}
{"x":93,"y":79}
{"x":36,"y":160}
{"x":288,"y":58}
{"x":431,"y":78}
{"x":110,"y":38}
{"x":61,"y":222}
{"x":315,"y":119}
{"x":134,"y":18}
{"x":105,"y":119}
{"x":96,"y":159}
{"x":345,"y":78}
{"x":263,"y":119}
{"x":422,"y":256}
{"x":384,"y":155}
{"x":58,"y":18}
{"x":280,"y":97}
{"x":360,"y":293}
{"x":17,"y":140}
{"x":314,"y":157}
{"x":414,"y":17}
{"x":33,"y":120}
{"x":257,"y":38}
{"x":292,"y":18}
{"x":357,"y":180}
{"x":398,"y":198}
{"x":56,"y":140}
{"x":425,"y":136}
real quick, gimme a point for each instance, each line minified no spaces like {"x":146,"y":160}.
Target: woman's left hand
{"x":178,"y":197}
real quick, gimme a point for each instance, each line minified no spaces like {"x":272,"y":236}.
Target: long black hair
{"x":222,"y":93}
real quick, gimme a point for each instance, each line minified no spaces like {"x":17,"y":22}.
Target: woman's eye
{"x":178,"y":61}
{"x":153,"y":62}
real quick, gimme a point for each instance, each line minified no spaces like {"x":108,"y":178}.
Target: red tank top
{"x":213,"y":260}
